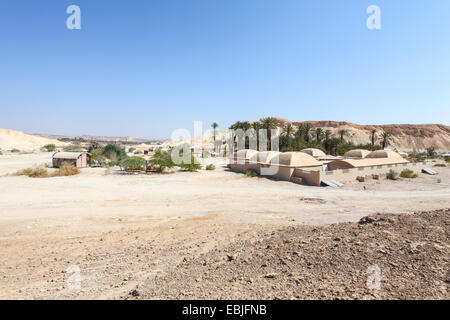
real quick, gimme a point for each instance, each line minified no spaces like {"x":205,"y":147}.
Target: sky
{"x":144,"y":68}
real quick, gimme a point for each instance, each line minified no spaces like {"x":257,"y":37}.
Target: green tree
{"x":307,"y":128}
{"x":49,"y":147}
{"x":431,"y":152}
{"x":319,"y":132}
{"x":75,"y":147}
{"x":342,"y":133}
{"x":288,"y":130}
{"x":334,"y":145}
{"x":256,"y":125}
{"x":193,"y":165}
{"x":286,"y":137}
{"x":326,"y":143}
{"x":268,"y":124}
{"x":162,"y":160}
{"x":386,"y":138}
{"x":133,"y":163}
{"x":114,"y":152}
{"x":374,"y":131}
{"x":214,"y":126}
{"x":93,"y":144}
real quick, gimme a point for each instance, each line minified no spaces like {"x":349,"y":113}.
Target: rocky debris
{"x":134,"y":293}
{"x":411,"y":253}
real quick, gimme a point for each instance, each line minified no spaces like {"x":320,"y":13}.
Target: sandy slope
{"x":10,"y":139}
{"x":122,"y":231}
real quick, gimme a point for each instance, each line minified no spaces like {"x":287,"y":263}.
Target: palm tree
{"x":287,"y":133}
{"x":374,"y":131}
{"x":288,"y":130}
{"x":268,"y":124}
{"x":307,"y":127}
{"x":235,"y":125}
{"x":300,"y":133}
{"x":386,"y":137}
{"x":214,"y":126}
{"x":319,"y":132}
{"x":256,"y":125}
{"x":244,"y":126}
{"x":327,"y":139}
{"x":334,"y":144}
{"x":342,"y":133}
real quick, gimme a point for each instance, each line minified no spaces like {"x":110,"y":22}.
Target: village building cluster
{"x":313,"y":167}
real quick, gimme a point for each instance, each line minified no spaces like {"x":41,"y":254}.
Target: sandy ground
{"x":122,"y":231}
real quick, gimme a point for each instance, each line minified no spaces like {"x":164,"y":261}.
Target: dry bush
{"x":38,"y":172}
{"x":67,"y":169}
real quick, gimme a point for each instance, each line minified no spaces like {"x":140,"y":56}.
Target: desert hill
{"x":11,"y":139}
{"x":405,"y":137}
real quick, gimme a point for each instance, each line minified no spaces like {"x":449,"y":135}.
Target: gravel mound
{"x":338,"y":261}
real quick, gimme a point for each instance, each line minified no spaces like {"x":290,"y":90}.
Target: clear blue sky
{"x":146,"y":67}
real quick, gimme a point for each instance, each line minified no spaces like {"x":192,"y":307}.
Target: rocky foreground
{"x":337,"y":261}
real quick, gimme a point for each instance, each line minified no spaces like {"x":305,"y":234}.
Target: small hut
{"x":77,"y":159}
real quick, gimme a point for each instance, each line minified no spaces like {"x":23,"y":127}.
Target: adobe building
{"x":77,"y":159}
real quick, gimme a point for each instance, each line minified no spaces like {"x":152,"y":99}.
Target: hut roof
{"x":295,"y":159}
{"x":357,"y":153}
{"x":314,"y":152}
{"x":68,"y":155}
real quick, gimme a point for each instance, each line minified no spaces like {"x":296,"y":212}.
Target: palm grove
{"x":304,"y":135}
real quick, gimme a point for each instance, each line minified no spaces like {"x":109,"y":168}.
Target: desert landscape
{"x":216,"y":234}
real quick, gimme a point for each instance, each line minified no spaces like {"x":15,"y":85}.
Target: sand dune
{"x":10,"y":139}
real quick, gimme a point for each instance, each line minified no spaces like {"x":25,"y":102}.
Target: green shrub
{"x":133,"y":163}
{"x":392,"y":175}
{"x":210,"y":167}
{"x":447,"y":159}
{"x":49,"y":147}
{"x":193,"y":165}
{"x":162,"y":160}
{"x":440,"y":165}
{"x":416,"y":157}
{"x":15,"y":150}
{"x":431,"y":152}
{"x":408,"y":174}
{"x":130,"y":150}
{"x":75,"y":147}
{"x":251,"y":173}
{"x":38,"y":172}
{"x":114,"y":152}
{"x":138,"y":152}
{"x":96,"y":154}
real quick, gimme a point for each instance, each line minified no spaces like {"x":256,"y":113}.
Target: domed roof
{"x":383,"y":154}
{"x":244,"y":154}
{"x":314,"y":152}
{"x":264,"y":156}
{"x":357,"y":153}
{"x":295,"y":159}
